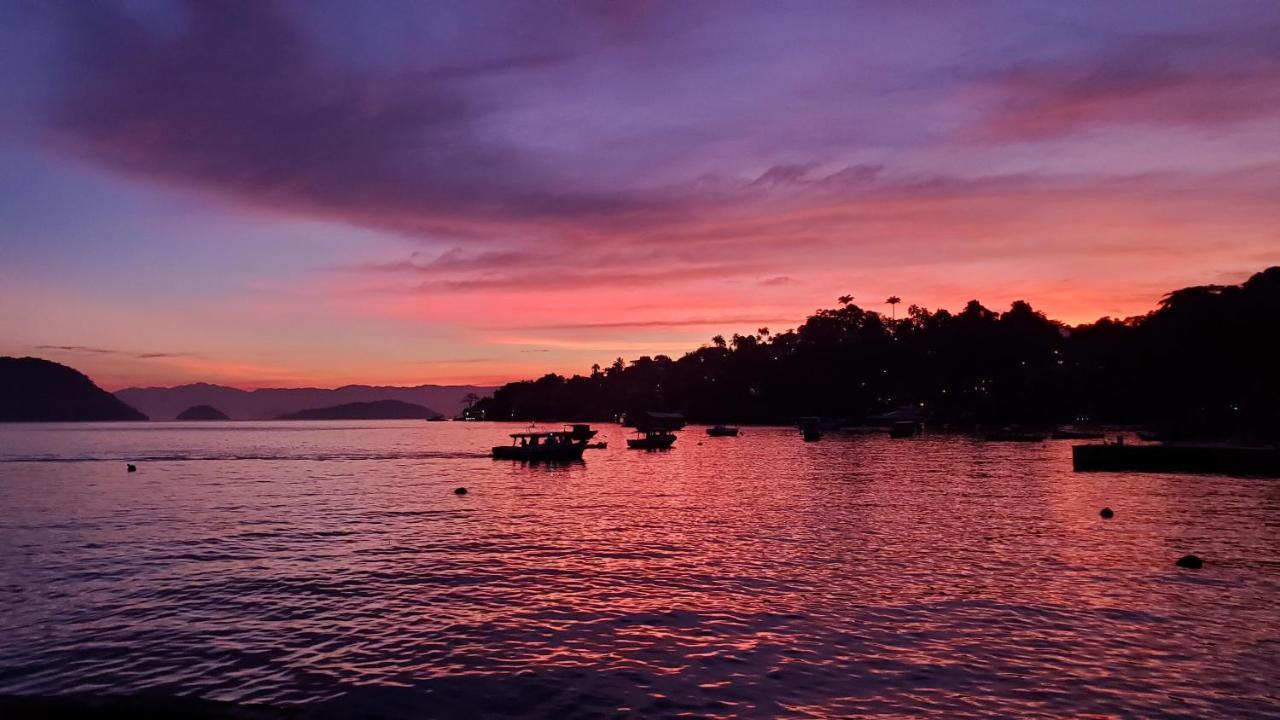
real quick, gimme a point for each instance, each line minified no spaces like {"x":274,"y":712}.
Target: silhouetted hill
{"x":269,"y":403}
{"x":202,"y":412}
{"x":379,"y":410}
{"x":35,"y":390}
{"x":1202,"y":364}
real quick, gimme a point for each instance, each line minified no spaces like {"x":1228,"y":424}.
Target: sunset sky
{"x":327,"y":192}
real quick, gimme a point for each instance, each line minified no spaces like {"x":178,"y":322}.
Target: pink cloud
{"x":607,"y":230}
{"x":1171,"y":82}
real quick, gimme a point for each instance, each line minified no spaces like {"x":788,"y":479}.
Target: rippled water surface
{"x":331,"y":565}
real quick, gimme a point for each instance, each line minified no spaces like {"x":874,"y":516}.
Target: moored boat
{"x":652,"y":440}
{"x":555,"y":446}
{"x":722,"y":431}
{"x":810,"y":428}
{"x":656,"y":430}
{"x":580,"y":431}
{"x":904,"y":429}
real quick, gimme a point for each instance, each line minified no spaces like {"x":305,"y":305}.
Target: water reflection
{"x":751,"y":576}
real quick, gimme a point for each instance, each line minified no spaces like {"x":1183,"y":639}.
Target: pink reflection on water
{"x":751,"y":576}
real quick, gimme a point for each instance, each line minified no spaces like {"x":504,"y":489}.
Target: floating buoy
{"x":460,"y":491}
{"x":131,"y":468}
{"x":1190,"y":561}
{"x":1107,"y":513}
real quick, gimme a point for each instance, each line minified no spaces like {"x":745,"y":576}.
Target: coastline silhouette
{"x":1195,"y":367}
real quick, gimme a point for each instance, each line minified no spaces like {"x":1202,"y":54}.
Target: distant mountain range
{"x":377,"y":410}
{"x":270,"y":403}
{"x":35,"y":390}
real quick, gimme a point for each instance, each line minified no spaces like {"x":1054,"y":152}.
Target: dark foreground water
{"x":330,"y":565}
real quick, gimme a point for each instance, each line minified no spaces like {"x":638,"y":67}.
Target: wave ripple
{"x":334,"y":573}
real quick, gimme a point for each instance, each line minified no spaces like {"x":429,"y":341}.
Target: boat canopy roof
{"x":659,"y":421}
{"x":541,"y":434}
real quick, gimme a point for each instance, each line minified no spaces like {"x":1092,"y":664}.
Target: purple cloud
{"x":241,"y":102}
{"x":1184,"y":80}
{"x":778,"y":281}
{"x":88,"y":350}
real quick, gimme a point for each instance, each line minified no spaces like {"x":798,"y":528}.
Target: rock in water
{"x":1190,"y":561}
{"x":460,"y":491}
{"x":131,"y":468}
{"x":1107,"y":513}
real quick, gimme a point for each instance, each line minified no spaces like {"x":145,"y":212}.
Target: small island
{"x":202,"y":412}
{"x":378,"y":410}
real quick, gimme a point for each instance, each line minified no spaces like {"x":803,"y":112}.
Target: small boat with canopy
{"x":652,"y":440}
{"x":656,"y":431}
{"x":553,"y":446}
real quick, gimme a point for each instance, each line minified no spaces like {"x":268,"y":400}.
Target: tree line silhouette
{"x":1202,"y":364}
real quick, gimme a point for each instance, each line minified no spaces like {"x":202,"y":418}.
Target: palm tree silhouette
{"x":893,"y":306}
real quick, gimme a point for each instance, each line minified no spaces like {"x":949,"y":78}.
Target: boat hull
{"x":651,"y":443}
{"x":904,"y":429}
{"x":722,"y":432}
{"x":563,"y":453}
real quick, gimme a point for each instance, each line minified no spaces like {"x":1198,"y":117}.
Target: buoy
{"x":1190,"y":561}
{"x":460,"y":491}
{"x":1107,"y":513}
{"x":131,"y":468}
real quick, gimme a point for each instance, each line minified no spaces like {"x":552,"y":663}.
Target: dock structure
{"x":1176,"y":458}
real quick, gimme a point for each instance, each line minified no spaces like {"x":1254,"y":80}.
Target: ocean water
{"x":330,"y":566}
